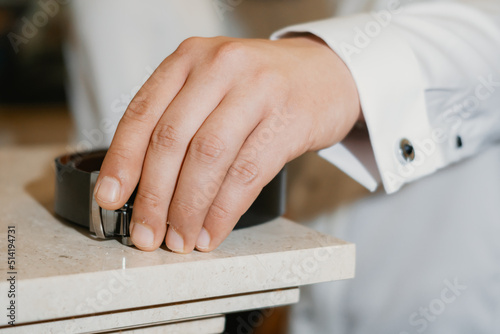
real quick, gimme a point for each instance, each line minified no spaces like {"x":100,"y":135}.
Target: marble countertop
{"x":63,"y":271}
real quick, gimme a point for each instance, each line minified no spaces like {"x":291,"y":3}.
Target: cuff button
{"x":407,"y":150}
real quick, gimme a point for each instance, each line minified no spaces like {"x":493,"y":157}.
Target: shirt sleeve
{"x":428,"y":77}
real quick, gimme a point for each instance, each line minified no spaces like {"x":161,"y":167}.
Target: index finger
{"x":121,"y":169}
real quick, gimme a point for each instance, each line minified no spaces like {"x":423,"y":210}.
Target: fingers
{"x":254,"y":167}
{"x":211,"y":153}
{"x":165,"y":154}
{"x":121,"y":168}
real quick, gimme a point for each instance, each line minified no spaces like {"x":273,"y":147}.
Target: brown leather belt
{"x":75,"y":180}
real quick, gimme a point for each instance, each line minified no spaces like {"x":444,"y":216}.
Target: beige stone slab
{"x":160,"y":314}
{"x":206,"y":325}
{"x":211,"y":325}
{"x":64,"y":272}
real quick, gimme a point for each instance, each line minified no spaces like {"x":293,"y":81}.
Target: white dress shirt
{"x":426,"y":72}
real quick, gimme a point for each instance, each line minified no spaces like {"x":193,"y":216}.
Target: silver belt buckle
{"x":107,"y":224}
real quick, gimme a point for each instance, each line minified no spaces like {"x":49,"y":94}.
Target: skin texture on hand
{"x":216,"y":121}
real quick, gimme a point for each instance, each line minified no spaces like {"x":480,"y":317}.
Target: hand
{"x":216,"y":121}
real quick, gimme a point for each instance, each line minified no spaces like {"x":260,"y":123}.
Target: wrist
{"x":344,"y":101}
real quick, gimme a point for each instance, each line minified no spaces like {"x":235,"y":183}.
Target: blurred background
{"x":34,"y":111}
{"x":33,"y":107}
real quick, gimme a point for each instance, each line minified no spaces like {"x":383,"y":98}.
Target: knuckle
{"x":149,"y":197}
{"x":207,"y":148}
{"x":189,"y":44}
{"x":138,"y":110}
{"x":268,"y":77}
{"x":165,"y":138}
{"x":230,"y":50}
{"x":184,"y":208}
{"x":244,"y":171}
{"x":122,"y":153}
{"x":219,"y":211}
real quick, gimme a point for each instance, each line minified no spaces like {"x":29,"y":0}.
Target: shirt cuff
{"x":391,"y":91}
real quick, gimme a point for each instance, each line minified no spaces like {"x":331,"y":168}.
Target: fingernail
{"x":108,"y":190}
{"x":174,"y":241}
{"x":203,"y":239}
{"x":142,"y":235}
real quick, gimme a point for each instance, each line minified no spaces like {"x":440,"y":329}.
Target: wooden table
{"x":66,"y":281}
